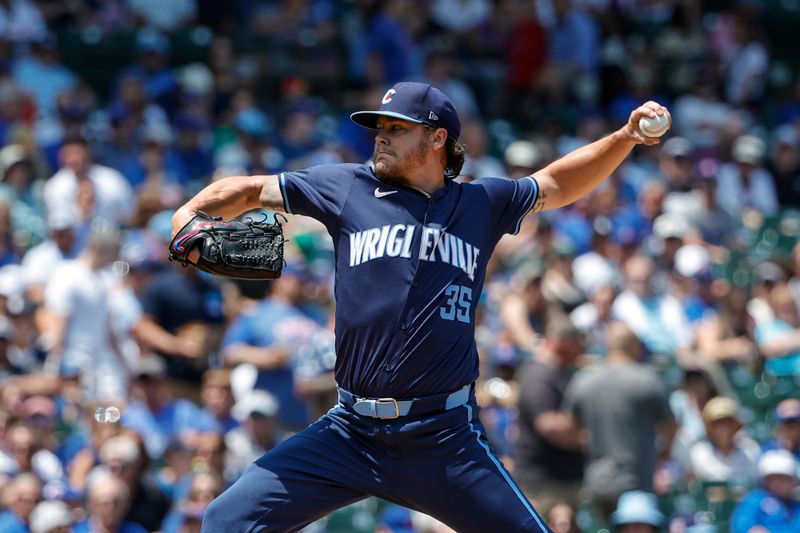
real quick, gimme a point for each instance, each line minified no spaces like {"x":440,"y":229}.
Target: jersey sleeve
{"x":319,"y":192}
{"x":510,"y":201}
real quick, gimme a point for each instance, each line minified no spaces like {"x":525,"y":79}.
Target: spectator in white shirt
{"x":257,"y":435}
{"x":744,"y":182}
{"x":114,"y":199}
{"x":78,"y":322}
{"x":657,"y":319}
{"x":40,"y":261}
{"x":726,"y":455}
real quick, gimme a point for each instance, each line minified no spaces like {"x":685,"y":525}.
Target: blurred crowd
{"x":640,"y":349}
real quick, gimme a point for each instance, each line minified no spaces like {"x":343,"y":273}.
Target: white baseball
{"x":654,"y":127}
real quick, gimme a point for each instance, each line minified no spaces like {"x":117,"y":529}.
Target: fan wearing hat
{"x":786,"y":429}
{"x":772,"y":507}
{"x":637,"y":512}
{"x":259,"y":432}
{"x":724,"y":455}
{"x":405,"y":317}
{"x":744,"y":183}
{"x":51,"y":517}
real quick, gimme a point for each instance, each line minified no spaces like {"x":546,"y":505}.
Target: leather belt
{"x":390,"y":408}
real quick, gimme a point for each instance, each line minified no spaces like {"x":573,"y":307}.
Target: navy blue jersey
{"x":409,"y":272}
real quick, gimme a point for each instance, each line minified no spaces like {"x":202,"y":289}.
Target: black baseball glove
{"x":231,"y":248}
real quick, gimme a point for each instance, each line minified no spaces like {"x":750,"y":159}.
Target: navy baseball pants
{"x":439,"y":464}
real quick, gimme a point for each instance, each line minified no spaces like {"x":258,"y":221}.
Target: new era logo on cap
{"x":415,"y":102}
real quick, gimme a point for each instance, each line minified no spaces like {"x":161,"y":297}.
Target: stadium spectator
{"x":43,"y":76}
{"x":267,"y":334}
{"x":637,"y":512}
{"x":217,"y":400}
{"x":125,"y":459}
{"x":164,"y":17}
{"x":51,"y":516}
{"x":784,"y":165}
{"x":787,"y":428}
{"x":23,"y":452}
{"x":727,"y":335}
{"x":78,"y":319}
{"x":771,"y":507}
{"x":724,"y":455}
{"x":80,"y":449}
{"x":744,"y":182}
{"x":113,"y":196}
{"x":209,"y":454}
{"x":657,"y":318}
{"x":746,"y":62}
{"x":21,"y":21}
{"x":561,"y":518}
{"x":41,"y":260}
{"x":549,"y":459}
{"x":204,"y":488}
{"x":687,"y":404}
{"x":766,"y":276}
{"x":107,"y":502}
{"x":182,"y":317}
{"x":676,"y":167}
{"x":598,"y":265}
{"x":779,"y":339}
{"x":20,"y":497}
{"x":593,"y":318}
{"x":152,"y":67}
{"x":526,"y":312}
{"x":154,"y":413}
{"x":624,"y":407}
{"x":479,"y":162}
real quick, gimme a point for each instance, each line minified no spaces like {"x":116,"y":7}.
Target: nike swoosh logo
{"x":380,"y":194}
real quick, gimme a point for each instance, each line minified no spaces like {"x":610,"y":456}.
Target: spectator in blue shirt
{"x":158,"y":417}
{"x":778,"y":338}
{"x":218,"y":400}
{"x":771,"y":507}
{"x":268,"y":334}
{"x":108,"y":501}
{"x":43,"y":76}
{"x":152,"y":67}
{"x":24,"y":492}
{"x":787,"y":428}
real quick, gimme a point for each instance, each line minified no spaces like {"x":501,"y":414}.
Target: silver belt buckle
{"x":384,"y":401}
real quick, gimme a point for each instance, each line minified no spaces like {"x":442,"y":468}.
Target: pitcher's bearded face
{"x":400,"y":146}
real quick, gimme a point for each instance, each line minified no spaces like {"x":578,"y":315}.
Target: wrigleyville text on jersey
{"x":396,"y":241}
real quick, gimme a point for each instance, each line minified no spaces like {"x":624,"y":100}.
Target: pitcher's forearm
{"x":230,"y":197}
{"x":581,"y":171}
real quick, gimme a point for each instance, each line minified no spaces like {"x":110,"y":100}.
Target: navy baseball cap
{"x":416,"y":102}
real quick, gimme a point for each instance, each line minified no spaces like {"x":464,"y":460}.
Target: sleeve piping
{"x":534,"y":196}
{"x":282,"y":184}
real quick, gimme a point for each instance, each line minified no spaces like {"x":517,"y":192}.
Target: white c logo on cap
{"x":388,"y":96}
